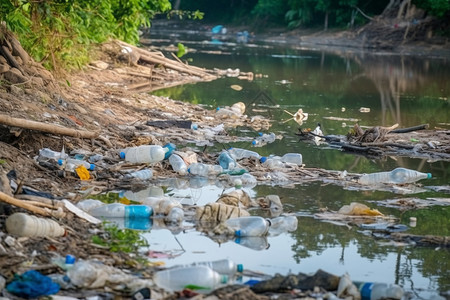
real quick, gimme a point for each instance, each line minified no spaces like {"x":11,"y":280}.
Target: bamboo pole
{"x":51,"y":128}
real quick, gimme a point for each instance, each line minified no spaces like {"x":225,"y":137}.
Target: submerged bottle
{"x":238,"y":153}
{"x":398,"y":175}
{"x":71,"y":164}
{"x":144,"y":154}
{"x":178,"y":164}
{"x":119,"y":210}
{"x":202,"y":169}
{"x":222,"y":266}
{"x":378,"y":291}
{"x":226,"y":161}
{"x":249,"y":226}
{"x":200,"y":278}
{"x":22,"y":224}
{"x":282,"y":224}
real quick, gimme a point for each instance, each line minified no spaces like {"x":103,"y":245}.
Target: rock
{"x":14,"y":76}
{"x":100,"y":64}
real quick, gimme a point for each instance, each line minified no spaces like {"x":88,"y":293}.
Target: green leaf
{"x":181,"y":50}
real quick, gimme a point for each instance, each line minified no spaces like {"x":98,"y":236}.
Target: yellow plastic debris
{"x":358,"y":209}
{"x":83,"y":173}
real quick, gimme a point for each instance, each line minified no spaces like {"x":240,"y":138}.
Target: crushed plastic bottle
{"x":48,"y":153}
{"x":144,"y":174}
{"x":264,"y":138}
{"x":249,"y":226}
{"x":379,"y":291}
{"x":282,"y":224}
{"x":238,"y":153}
{"x":200,"y":278}
{"x":166,"y":206}
{"x":204,"y":170}
{"x":396,"y":176}
{"x":70,"y":164}
{"x":226,"y":161}
{"x":273,"y":162}
{"x":144,"y":154}
{"x":178,"y":164}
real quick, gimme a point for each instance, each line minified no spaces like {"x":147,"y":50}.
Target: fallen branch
{"x":409,"y":129}
{"x":23,"y":204}
{"x":51,"y":128}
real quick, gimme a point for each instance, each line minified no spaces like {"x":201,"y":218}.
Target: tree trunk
{"x":325,"y":25}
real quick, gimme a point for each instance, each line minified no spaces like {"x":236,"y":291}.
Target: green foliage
{"x":121,"y":240}
{"x":438,"y":8}
{"x":59,"y":33}
{"x":181,"y":50}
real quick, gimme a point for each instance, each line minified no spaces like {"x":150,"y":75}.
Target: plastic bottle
{"x":202,"y":169}
{"x":378,"y":291}
{"x":292,"y":158}
{"x":50,"y":154}
{"x":249,"y":226}
{"x":222,"y":266}
{"x":272,"y":162}
{"x":253,"y":242}
{"x":70,"y":164}
{"x":264,"y":138}
{"x":144,"y":174}
{"x":248,"y":180}
{"x":171,"y":208}
{"x":226,"y":161}
{"x":238,"y":153}
{"x":139,"y":196}
{"x":22,"y":224}
{"x":202,"y":278}
{"x":178,"y":164}
{"x":119,"y":210}
{"x":144,"y":154}
{"x":283,"y":224}
{"x":398,"y":175}
{"x":171,"y":147}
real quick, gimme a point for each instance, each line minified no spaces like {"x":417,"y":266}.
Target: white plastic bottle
{"x":120,"y":210}
{"x":144,"y":154}
{"x":398,"y":175}
{"x":238,"y":153}
{"x":226,"y":161}
{"x":292,"y":158}
{"x":70,"y":164}
{"x":178,"y":164}
{"x":202,"y":169}
{"x":223,"y":266}
{"x":203,"y":278}
{"x":249,"y":226}
{"x":22,"y":224}
{"x":282,"y":224}
{"x":144,"y":174}
{"x":378,"y":291}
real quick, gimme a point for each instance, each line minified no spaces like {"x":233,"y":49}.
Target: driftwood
{"x":51,"y":128}
{"x":410,"y":129}
{"x":24,"y":204}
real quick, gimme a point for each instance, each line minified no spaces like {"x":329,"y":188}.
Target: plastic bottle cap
{"x":254,"y":142}
{"x":194,"y":126}
{"x":428,"y":175}
{"x":224,"y":279}
{"x":91,"y":167}
{"x":70,"y":259}
{"x":260,"y":133}
{"x":237,"y":233}
{"x":218,"y":108}
{"x":240,"y":267}
{"x":122,"y":155}
{"x":263,"y":159}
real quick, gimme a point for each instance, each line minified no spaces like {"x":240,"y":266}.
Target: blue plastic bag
{"x":32,"y":284}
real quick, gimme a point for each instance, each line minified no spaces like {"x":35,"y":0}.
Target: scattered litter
{"x":236,"y":87}
{"x":364,"y":109}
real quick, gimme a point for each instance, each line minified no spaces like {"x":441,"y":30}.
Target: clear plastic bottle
{"x":264,"y":138}
{"x":238,"y":153}
{"x":292,"y":158}
{"x":398,"y":175}
{"x":50,"y":154}
{"x":202,"y":169}
{"x":202,"y":278}
{"x":70,"y":164}
{"x":282,"y":224}
{"x":144,"y":154}
{"x":222,"y":266}
{"x":140,"y":195}
{"x":144,"y":174}
{"x":178,"y":164}
{"x":272,"y":162}
{"x":248,"y":180}
{"x":22,"y":224}
{"x":120,"y":210}
{"x":253,"y":242}
{"x":249,"y":226}
{"x":226,"y":161}
{"x":378,"y":291}
{"x":169,"y":207}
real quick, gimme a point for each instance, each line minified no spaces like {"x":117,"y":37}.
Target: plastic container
{"x":249,"y":226}
{"x":119,"y":210}
{"x":200,"y":278}
{"x":71,"y":164}
{"x":264,"y":138}
{"x":178,"y":164}
{"x":171,"y":208}
{"x":398,"y":175}
{"x":238,"y":153}
{"x":378,"y":291}
{"x":22,"y":224}
{"x":50,"y":154}
{"x":205,"y":170}
{"x":144,"y":154}
{"x":282,"y":224}
{"x":226,"y":161}
{"x":144,"y":174}
{"x":222,"y":266}
{"x":292,"y":158}
{"x":273,"y":162}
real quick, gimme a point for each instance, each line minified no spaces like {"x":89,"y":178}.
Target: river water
{"x":334,"y":88}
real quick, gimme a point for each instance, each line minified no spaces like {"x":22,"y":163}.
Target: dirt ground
{"x":108,"y":99}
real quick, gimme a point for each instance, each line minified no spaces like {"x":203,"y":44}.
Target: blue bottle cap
{"x":217,"y":108}
{"x":171,"y":147}
{"x":237,"y":233}
{"x":260,"y":133}
{"x":240,"y":267}
{"x":254,"y":142}
{"x":60,"y":162}
{"x":70,"y":259}
{"x":91,"y":167}
{"x":263,"y":159}
{"x":428,"y":175}
{"x":194,"y":126}
{"x":122,"y":155}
